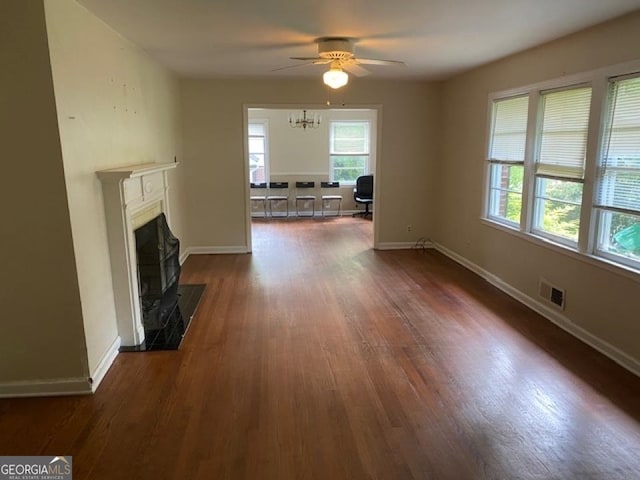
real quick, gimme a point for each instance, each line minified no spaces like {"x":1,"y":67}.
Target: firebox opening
{"x":158,"y":252}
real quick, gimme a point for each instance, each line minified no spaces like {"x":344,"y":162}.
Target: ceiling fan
{"x":339,"y":54}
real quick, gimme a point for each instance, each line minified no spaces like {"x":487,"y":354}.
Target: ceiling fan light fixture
{"x":335,"y":77}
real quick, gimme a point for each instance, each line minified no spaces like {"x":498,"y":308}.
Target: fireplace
{"x":135,"y":197}
{"x":157,"y":254}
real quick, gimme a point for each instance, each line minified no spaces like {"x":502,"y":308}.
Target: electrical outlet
{"x":409,"y":228}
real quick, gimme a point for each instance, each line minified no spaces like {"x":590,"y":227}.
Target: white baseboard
{"x":104,"y":365}
{"x":46,"y":388}
{"x":614,"y":353}
{"x":212,"y":250}
{"x":403,"y":245}
{"x":56,"y":387}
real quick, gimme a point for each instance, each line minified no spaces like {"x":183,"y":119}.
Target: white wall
{"x":115,"y":107}
{"x":297,"y":151}
{"x":294,"y":151}
{"x":601,"y":304}
{"x":297,"y":154}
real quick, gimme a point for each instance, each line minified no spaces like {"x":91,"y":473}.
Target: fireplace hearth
{"x":153,"y":310}
{"x":169,"y":335}
{"x":158,"y":267}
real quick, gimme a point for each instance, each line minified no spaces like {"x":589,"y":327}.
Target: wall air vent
{"x":554,"y":295}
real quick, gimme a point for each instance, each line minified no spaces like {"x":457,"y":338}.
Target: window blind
{"x":256,"y":129}
{"x":256,"y":145}
{"x":619,"y":187}
{"x":563,"y":139}
{"x":509,"y":131}
{"x":350,"y":137}
{"x":257,"y":138}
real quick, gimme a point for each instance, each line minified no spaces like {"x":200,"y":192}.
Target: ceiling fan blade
{"x":314,"y":60}
{"x":371,"y":61}
{"x":356,"y":70}
{"x":292,"y":66}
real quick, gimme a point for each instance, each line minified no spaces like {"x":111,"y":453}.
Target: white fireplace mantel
{"x":132,"y":195}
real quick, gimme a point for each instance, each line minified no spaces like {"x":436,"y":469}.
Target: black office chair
{"x":363,"y":194}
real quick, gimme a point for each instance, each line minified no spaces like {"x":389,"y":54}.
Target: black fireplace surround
{"x":158,"y":251}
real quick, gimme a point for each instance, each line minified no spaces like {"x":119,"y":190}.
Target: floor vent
{"x":551,"y":294}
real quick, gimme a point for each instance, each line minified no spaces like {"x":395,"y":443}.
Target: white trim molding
{"x":62,"y":386}
{"x":419,"y":244}
{"x":46,"y":388}
{"x":103,"y":367}
{"x":554,"y":316}
{"x":214,"y":250}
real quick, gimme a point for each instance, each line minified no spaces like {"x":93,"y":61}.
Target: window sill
{"x":590,"y":259}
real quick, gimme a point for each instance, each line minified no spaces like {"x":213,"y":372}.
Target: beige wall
{"x":214,"y":157}
{"x":603,"y":303}
{"x":41,"y":317}
{"x":115,"y":107}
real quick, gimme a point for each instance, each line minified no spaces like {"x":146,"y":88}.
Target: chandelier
{"x":303,"y":121}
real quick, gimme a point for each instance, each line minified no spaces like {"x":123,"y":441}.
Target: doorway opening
{"x":301,"y":171}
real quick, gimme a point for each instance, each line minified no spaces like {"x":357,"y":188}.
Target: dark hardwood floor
{"x":317,"y":357}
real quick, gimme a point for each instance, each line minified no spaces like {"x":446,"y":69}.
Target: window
{"x":618,"y":189}
{"x":563,"y":164}
{"x":349,"y":151}
{"x":506,"y":157}
{"x":258,"y":166}
{"x":560,"y":164}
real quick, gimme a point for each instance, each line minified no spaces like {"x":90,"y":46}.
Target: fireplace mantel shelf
{"x":132,"y":171}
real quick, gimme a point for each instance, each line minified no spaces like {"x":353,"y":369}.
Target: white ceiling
{"x":436,"y":38}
